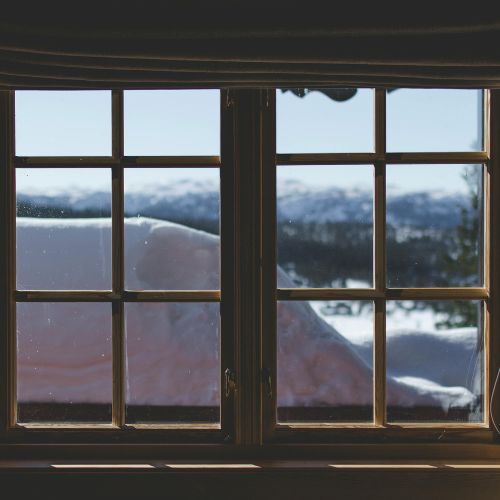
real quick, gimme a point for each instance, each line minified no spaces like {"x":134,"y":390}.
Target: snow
{"x":173,"y":349}
{"x":415,"y":348}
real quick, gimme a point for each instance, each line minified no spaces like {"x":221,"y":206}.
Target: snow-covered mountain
{"x":302,"y":203}
{"x":297,"y":202}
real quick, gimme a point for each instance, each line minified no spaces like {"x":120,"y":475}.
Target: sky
{"x":187,"y":122}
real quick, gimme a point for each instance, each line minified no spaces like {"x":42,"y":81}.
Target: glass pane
{"x":172,"y":122}
{"x":63,"y":123}
{"x":434,"y":120}
{"x":325,"y":226}
{"x":435,"y":361}
{"x":324,"y":361}
{"x":173,"y":362}
{"x":324,"y":120}
{"x":64,"y":366}
{"x":63,"y":229}
{"x":171,"y":229}
{"x":434,"y":225}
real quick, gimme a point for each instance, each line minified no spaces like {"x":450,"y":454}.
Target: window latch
{"x":267,"y":381}
{"x":229,"y":99}
{"x":229,"y":382}
{"x":265,"y":101}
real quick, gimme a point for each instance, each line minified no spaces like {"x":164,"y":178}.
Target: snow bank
{"x":64,"y":350}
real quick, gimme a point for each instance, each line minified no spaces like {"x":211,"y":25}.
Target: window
{"x":377,"y":280}
{"x":299,"y":266}
{"x":119,"y":239}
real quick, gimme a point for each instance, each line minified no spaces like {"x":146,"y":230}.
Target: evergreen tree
{"x":461,"y":263}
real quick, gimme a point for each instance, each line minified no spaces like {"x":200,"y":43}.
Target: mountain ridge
{"x":297,"y":202}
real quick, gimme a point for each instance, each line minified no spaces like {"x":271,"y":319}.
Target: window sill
{"x":288,"y":479}
{"x":248,"y":466}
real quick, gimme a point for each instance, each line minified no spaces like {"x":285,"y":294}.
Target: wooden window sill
{"x":253,"y":466}
{"x":249,"y":479}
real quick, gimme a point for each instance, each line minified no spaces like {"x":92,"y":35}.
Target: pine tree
{"x":461,"y":263}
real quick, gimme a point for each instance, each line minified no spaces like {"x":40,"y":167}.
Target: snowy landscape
{"x":171,"y":242}
{"x":324,"y":239}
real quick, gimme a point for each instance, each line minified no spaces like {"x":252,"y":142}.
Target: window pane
{"x":325,"y":226}
{"x":324,"y":120}
{"x":172,"y":122}
{"x":63,"y":229}
{"x":435,"y":361}
{"x":64,"y":367}
{"x":171,"y":229}
{"x":324,"y":361}
{"x":434,"y":225}
{"x":63,"y":123}
{"x":173,"y":362}
{"x":434,"y":120}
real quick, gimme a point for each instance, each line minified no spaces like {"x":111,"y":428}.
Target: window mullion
{"x":118,"y":271}
{"x":492,"y":279}
{"x":379,"y":234}
{"x":248,"y":221}
{"x":8,"y":407}
{"x":226,"y":296}
{"x":269,"y":268}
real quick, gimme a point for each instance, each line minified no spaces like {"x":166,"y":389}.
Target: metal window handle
{"x":229,"y":99}
{"x":229,"y":382}
{"x":267,"y":381}
{"x":265,"y":99}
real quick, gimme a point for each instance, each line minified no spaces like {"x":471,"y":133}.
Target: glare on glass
{"x":172,"y":122}
{"x":171,"y":229}
{"x":434,"y":120}
{"x":435,"y":223}
{"x":325,"y":351}
{"x":64,"y":365}
{"x":325,"y":226}
{"x":435,"y":361}
{"x":63,"y":229}
{"x":173,"y":362}
{"x":324,"y":120}
{"x":63,"y":123}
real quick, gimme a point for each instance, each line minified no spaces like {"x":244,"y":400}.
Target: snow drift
{"x":64,"y":350}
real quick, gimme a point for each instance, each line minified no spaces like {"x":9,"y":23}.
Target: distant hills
{"x":297,"y":202}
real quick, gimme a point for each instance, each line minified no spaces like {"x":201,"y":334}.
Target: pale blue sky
{"x":417,"y":120}
{"x":187,"y":123}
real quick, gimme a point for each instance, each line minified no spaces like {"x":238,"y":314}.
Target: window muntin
{"x":447,"y":297}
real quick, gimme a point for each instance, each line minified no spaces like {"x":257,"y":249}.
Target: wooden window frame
{"x":118,"y":429}
{"x":379,"y":430}
{"x":248,"y":301}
